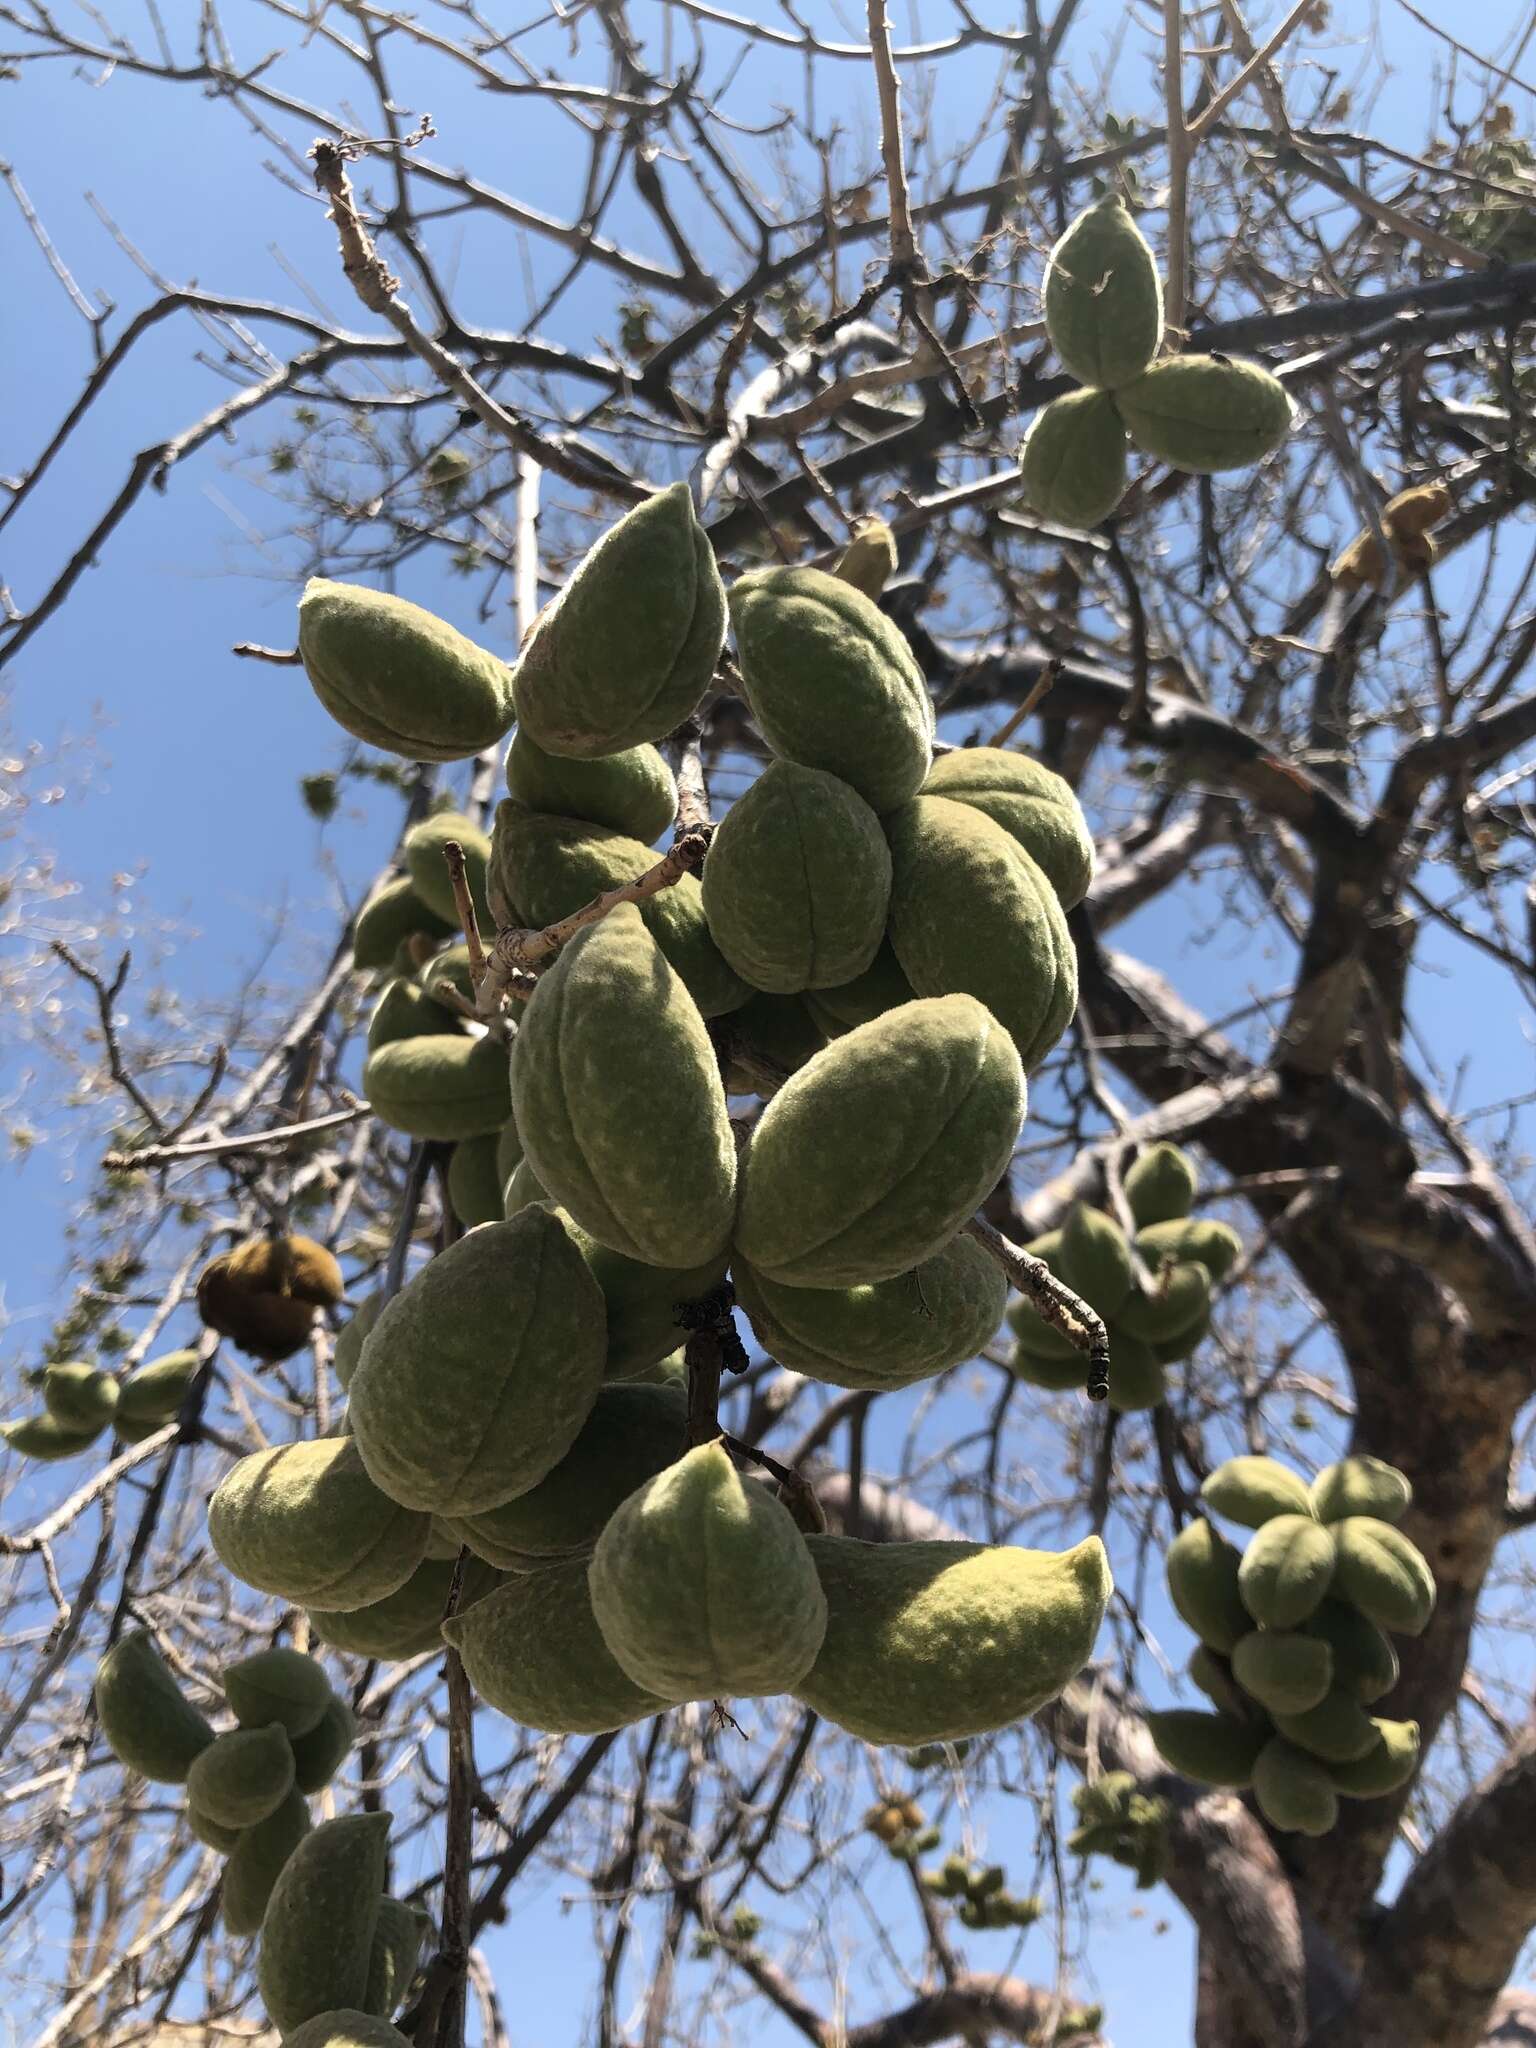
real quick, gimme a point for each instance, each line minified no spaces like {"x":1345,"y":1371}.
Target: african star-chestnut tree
{"x":796,"y":262}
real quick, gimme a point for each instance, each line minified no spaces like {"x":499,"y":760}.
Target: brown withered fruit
{"x":263,"y":1295}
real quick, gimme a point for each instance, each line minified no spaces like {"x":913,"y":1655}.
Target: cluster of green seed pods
{"x":81,"y":1402}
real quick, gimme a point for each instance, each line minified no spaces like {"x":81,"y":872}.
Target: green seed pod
{"x":797,"y":882}
{"x":869,"y":560}
{"x":79,"y":1397}
{"x":317,"y":1933}
{"x":632,"y":792}
{"x":1136,"y":1379}
{"x":1039,"y":1338}
{"x":241,"y":1778}
{"x":544,"y":869}
{"x":446,"y":976}
{"x":972,"y":914}
{"x":405,"y":1010}
{"x":398,"y":1934}
{"x":1364,"y":1661}
{"x":831,"y":682}
{"x":703,"y":1587}
{"x":1286,"y":1570}
{"x":1103,"y":298}
{"x":451,"y":1425}
{"x":1337,"y":1729}
{"x":255,"y":1861}
{"x":1384,"y":1575}
{"x":425,"y":863}
{"x":320,"y":1754}
{"x":264,"y":1293}
{"x":629,"y":646}
{"x":1031,"y":802}
{"x":156,"y":1391}
{"x":532,"y":1650}
{"x":475,"y":1188}
{"x":1161,"y":1185}
{"x":1361,"y":1486}
{"x":1202,"y":1568}
{"x":1210,"y":1748}
{"x":146,"y":1723}
{"x":392,"y":914}
{"x":523,"y":1190}
{"x":407,"y":1622}
{"x":889,"y":1334}
{"x":618,"y":1099}
{"x":446,"y":1086}
{"x":640,"y":1301}
{"x":509,"y":1150}
{"x":1294,"y":1791}
{"x":348,"y":1349}
{"x":45,"y":1438}
{"x":927,"y":1642}
{"x":1054,"y":1375}
{"x":1094,"y":1259}
{"x":1203,"y":414}
{"x":1213,"y":1675}
{"x":1386,"y":1766}
{"x":869,"y":1160}
{"x":210,"y":1833}
{"x":632,"y":1434}
{"x":881,"y":987}
{"x":1073,"y":459}
{"x":1286,"y":1672}
{"x":304,"y":1521}
{"x":283,"y":1686}
{"x":1254,"y":1490}
{"x":769,"y":1038}
{"x":1185,"y":1344}
{"x":398,"y":677}
{"x":1180,"y":1301}
{"x":346,"y":2030}
{"x":1215,"y":1246}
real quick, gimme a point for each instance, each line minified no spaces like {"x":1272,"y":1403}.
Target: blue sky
{"x":194,"y":756}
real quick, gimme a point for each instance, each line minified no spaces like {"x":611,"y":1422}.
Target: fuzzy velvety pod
{"x":1203,"y":414}
{"x":1073,"y":459}
{"x":447,"y":1086}
{"x":1286,"y":1570}
{"x":869,"y":1160}
{"x":475,"y":1188}
{"x":1286,"y":1671}
{"x":1033,"y":803}
{"x":632,"y":1434}
{"x":1364,"y":1661}
{"x":532,"y":1649}
{"x":797,"y":882}
{"x":1103,"y":298}
{"x":348,"y":1348}
{"x":640,"y":1301}
{"x":509,"y":1150}
{"x":619,"y":1102}
{"x":972,"y":914}
{"x":831,"y":682}
{"x":156,"y":1391}
{"x":147,"y":1724}
{"x":398,"y":1934}
{"x":522,"y":1190}
{"x":881,"y":987}
{"x":1213,"y":1675}
{"x":1161,"y":1185}
{"x":347,"y":2029}
{"x":1361,"y":1486}
{"x":279,"y":1685}
{"x":422,"y":851}
{"x":1213,"y":1749}
{"x":263,"y":1295}
{"x":45,"y":1437}
{"x":1337,"y":1729}
{"x":1294,"y":1791}
{"x":768,"y":1038}
{"x":628,"y":648}
{"x":209,"y":1832}
{"x":447,"y":976}
{"x":317,"y":1932}
{"x":399,"y":678}
{"x":703,"y":1587}
{"x":408,"y":1621}
{"x":256,"y":1858}
{"x":544,"y":869}
{"x":406,"y":1010}
{"x":632,"y":792}
{"x":1384,"y":1575}
{"x":1179,"y":1302}
{"x":242,"y":1777}
{"x":1054,"y":1375}
{"x":1094,"y":1259}
{"x":306,"y":1523}
{"x":478,"y":1375}
{"x":1202,"y":1568}
{"x":1386,"y":1766}
{"x":393,"y":914}
{"x":1136,"y":1380}
{"x":1253,"y":1491}
{"x":79,"y":1397}
{"x":320,"y":1754}
{"x":932,"y":1642}
{"x":1214,"y":1245}
{"x":1169,"y":1350}
{"x":890,"y":1333}
{"x":869,"y":560}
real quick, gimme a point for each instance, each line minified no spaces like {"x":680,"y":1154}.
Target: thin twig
{"x":1052,"y":1300}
